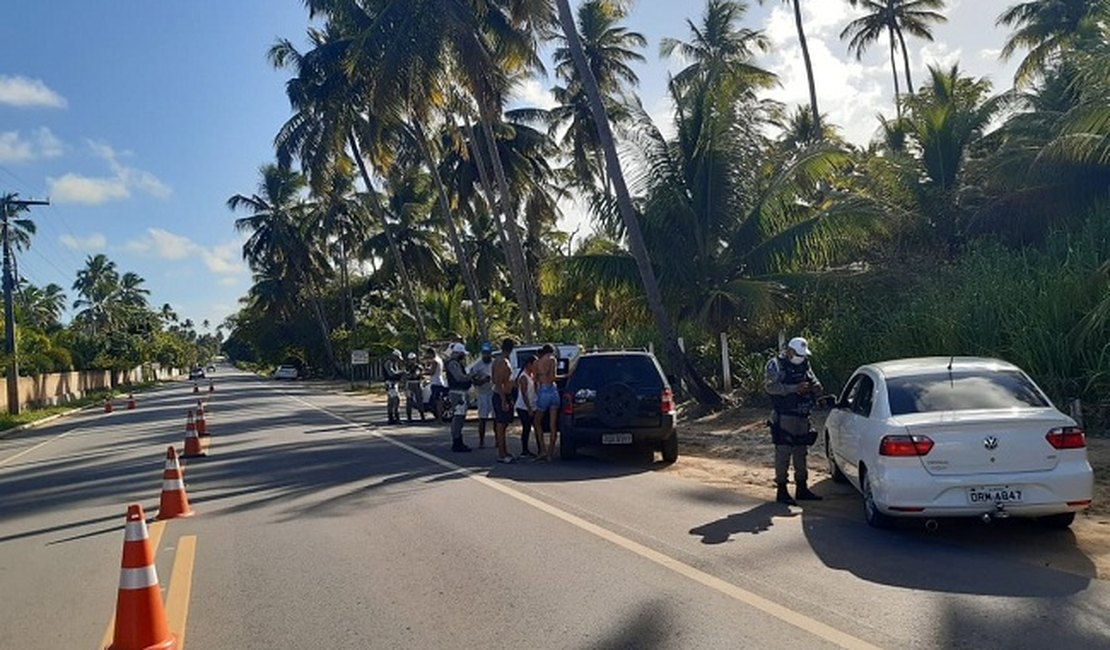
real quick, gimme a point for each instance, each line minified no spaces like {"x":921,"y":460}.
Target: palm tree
{"x":131,"y":292}
{"x":895,"y":17}
{"x":610,"y":50}
{"x":720,"y":51}
{"x":634,"y":234}
{"x":814,"y":112}
{"x":1047,"y":28}
{"x":167,"y":313}
{"x":19,"y":231}
{"x":43,"y":306}
{"x":96,"y":284}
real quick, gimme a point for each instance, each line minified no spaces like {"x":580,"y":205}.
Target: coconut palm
{"x":18,"y":231}
{"x":895,"y":18}
{"x":43,"y":305}
{"x":131,"y":291}
{"x":720,"y":51}
{"x":610,"y":50}
{"x":1047,"y":28}
{"x":96,"y":285}
{"x":799,"y":24}
{"x":634,"y":234}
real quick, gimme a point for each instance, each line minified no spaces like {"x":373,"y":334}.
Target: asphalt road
{"x":319,"y":527}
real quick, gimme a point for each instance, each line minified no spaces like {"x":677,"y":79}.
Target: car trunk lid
{"x":986,"y":442}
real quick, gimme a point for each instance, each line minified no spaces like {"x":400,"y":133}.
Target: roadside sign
{"x":360,"y":357}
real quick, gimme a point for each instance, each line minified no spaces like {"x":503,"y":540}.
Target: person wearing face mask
{"x":794,"y":389}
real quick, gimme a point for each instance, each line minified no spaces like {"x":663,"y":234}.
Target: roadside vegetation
{"x":407,"y":203}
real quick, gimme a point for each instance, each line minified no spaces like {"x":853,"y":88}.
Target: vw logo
{"x":990,"y":442}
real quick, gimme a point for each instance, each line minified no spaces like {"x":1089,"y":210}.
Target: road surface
{"x":318,"y":526}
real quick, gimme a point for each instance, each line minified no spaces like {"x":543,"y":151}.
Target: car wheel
{"x":875,"y":518}
{"x":567,"y":449}
{"x":670,"y":448}
{"x":837,"y":475}
{"x":1057,"y":522}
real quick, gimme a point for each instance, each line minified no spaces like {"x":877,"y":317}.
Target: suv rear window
{"x":636,"y":370}
{"x":962,"y":391}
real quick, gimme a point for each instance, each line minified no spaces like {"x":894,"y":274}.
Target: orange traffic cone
{"x":130,"y":402}
{"x":192,"y":442}
{"x":202,"y":426}
{"x":107,"y":404}
{"x":195,"y":388}
{"x":174,"y":502}
{"x":141,"y":622}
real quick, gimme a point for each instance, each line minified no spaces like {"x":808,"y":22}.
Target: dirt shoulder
{"x":731,"y":449}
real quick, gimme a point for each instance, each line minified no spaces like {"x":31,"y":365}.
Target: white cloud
{"x":14,"y":149}
{"x":533,"y":94}
{"x":222,"y":259}
{"x":49,"y":144}
{"x":77,"y":188}
{"x":94,"y":242}
{"x":24,"y":92}
{"x":74,"y":188}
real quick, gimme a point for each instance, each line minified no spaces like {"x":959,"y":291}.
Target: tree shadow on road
{"x":650,"y":626}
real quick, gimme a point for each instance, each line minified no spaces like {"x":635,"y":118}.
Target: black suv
{"x":618,"y":398}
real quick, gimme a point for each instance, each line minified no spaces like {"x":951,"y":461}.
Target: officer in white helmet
{"x":458,"y":385}
{"x":794,"y":390}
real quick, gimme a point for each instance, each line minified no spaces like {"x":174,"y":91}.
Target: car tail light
{"x":568,"y":404}
{"x":1067,"y":438}
{"x":905,"y":446}
{"x":666,"y":402}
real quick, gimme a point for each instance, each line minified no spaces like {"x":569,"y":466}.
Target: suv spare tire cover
{"x":616,"y":405}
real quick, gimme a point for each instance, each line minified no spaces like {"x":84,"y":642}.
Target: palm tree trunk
{"x":394,"y":250}
{"x":701,"y":391}
{"x":452,"y":232}
{"x":894,"y":69}
{"x":809,"y":70}
{"x":906,"y":59}
{"x":515,"y":270}
{"x":325,"y":333}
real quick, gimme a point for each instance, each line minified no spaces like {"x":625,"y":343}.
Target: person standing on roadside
{"x":414,"y":392}
{"x":526,"y":405}
{"x":458,"y":385}
{"x":503,"y":400}
{"x":794,"y":388}
{"x":433,"y":366}
{"x":394,"y":372}
{"x":547,"y":399}
{"x":481,"y":377}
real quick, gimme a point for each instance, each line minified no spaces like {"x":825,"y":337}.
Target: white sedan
{"x":286,"y":372}
{"x":955,"y":437}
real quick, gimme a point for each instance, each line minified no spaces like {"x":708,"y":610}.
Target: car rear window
{"x":962,"y":391}
{"x":635,"y":370}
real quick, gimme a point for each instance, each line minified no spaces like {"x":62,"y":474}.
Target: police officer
{"x":394,"y":372}
{"x":458,"y":385}
{"x":414,"y":391}
{"x":794,"y":389}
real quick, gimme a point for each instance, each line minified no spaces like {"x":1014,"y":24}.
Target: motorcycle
{"x":418,"y":397}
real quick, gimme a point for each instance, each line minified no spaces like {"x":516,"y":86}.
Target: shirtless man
{"x":503,"y":400}
{"x":547,"y":398}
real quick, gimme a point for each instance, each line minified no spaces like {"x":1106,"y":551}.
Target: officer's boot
{"x":783,"y":496}
{"x":803,"y":494}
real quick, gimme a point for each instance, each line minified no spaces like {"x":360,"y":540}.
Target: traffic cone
{"x":130,"y":402}
{"x":211,"y":386}
{"x":141,"y":622}
{"x":202,"y":426}
{"x":107,"y":404}
{"x":195,"y":388}
{"x":192,"y":442}
{"x":174,"y":502}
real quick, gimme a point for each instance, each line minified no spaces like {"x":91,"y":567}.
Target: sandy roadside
{"x":731,"y":450}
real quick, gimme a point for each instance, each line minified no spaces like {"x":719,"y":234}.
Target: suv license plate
{"x":993,"y":495}
{"x":616,"y":438}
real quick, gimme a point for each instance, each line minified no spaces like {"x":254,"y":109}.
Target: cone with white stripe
{"x":141,"y":622}
{"x":196,"y":389}
{"x":202,"y":425}
{"x":174,"y":502}
{"x":192,"y":442}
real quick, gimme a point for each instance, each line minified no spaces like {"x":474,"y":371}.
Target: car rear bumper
{"x":640,"y":436}
{"x":908,"y":491}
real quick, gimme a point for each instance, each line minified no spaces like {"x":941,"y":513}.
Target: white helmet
{"x":397,"y":354}
{"x":457,"y":348}
{"x":411,"y":356}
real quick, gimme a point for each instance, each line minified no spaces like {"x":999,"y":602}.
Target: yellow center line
{"x":181,"y":585}
{"x":155,"y":531}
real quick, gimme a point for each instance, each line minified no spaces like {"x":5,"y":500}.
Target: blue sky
{"x":139,"y":119}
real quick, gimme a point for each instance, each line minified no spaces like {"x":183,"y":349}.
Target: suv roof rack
{"x":623,"y":349}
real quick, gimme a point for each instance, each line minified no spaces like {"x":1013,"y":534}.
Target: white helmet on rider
{"x":411,"y":356}
{"x":397,"y":354}
{"x":457,"y":349}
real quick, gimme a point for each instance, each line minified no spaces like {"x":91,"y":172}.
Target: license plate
{"x":616,"y":438}
{"x":1003,"y":494}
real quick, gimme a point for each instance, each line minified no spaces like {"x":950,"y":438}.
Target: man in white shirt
{"x":481,"y":376}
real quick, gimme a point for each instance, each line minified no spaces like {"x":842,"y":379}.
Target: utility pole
{"x":9,"y":205}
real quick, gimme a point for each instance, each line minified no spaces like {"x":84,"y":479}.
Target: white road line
{"x":40,"y":445}
{"x":785,"y":614}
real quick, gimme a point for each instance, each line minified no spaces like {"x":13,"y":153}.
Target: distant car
{"x":954,"y":437}
{"x":196,"y":373}
{"x":618,"y":398}
{"x":286,"y":372}
{"x":211,"y":369}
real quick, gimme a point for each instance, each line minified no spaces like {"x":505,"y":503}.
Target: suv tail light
{"x":666,"y":402}
{"x":1067,"y":438}
{"x":905,"y":446}
{"x":568,"y":404}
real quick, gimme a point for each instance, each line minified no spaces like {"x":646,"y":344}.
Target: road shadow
{"x":649,"y":626}
{"x":752,"y":522}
